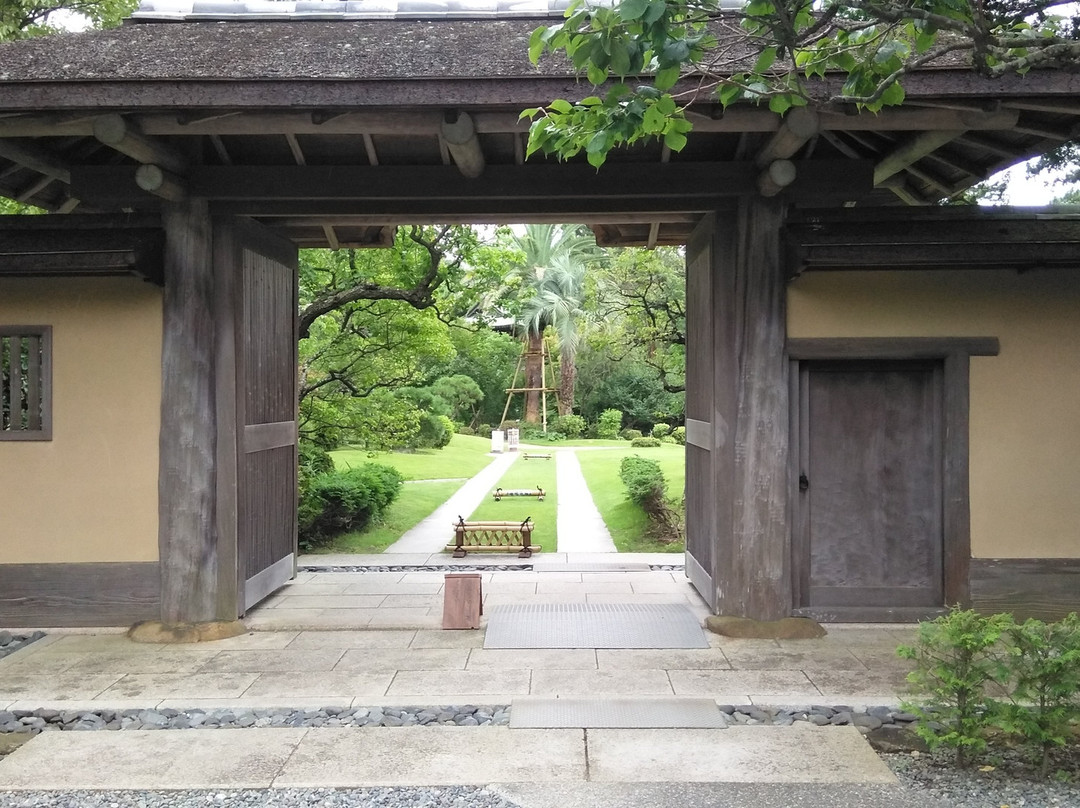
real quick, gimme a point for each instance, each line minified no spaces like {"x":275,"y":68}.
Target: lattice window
{"x":25,"y":383}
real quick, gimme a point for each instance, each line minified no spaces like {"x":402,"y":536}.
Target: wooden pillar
{"x":737,"y":413}
{"x":187,"y":534}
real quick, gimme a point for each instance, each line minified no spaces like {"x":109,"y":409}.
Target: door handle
{"x":804,"y":483}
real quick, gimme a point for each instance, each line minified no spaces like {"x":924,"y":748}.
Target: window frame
{"x":44,"y":383}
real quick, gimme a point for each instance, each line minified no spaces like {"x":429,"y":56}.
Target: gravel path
{"x":447,"y":797}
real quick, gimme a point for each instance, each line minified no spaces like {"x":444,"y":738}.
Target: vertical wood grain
{"x":188,"y":464}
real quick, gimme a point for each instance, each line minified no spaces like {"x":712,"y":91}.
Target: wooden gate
{"x":257,"y":370}
{"x":869,"y":541}
{"x":701,"y":486}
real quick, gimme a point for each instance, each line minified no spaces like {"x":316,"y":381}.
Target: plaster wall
{"x":1025,"y":403}
{"x":91,"y":493}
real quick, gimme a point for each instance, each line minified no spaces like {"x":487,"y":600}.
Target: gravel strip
{"x":10,"y":643}
{"x":443,"y":797}
{"x":1009,"y":785}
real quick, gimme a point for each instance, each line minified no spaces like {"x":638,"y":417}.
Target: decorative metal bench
{"x":536,"y":456}
{"x":537,"y":492}
{"x":493,"y":537}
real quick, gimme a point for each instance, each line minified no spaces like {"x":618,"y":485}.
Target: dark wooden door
{"x":263,"y":276}
{"x":870,"y":489}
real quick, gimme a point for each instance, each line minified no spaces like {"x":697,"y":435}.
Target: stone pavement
{"x":368,"y":639}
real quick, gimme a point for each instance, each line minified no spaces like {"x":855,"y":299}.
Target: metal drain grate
{"x":534,"y":713}
{"x":594,"y":625}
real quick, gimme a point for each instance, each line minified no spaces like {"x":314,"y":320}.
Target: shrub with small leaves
{"x":573,"y":426}
{"x":957,"y":657}
{"x":678,"y":434}
{"x":645,"y":443}
{"x":630,"y":434}
{"x":608,"y":424}
{"x":339,"y":501}
{"x":661,"y":430}
{"x":646,"y":486}
{"x":1044,"y":666}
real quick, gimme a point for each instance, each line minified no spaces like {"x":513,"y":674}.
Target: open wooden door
{"x":700,"y":411}
{"x":257,"y":271}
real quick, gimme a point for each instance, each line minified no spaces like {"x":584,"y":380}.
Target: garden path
{"x":580,"y":527}
{"x":432,"y":534}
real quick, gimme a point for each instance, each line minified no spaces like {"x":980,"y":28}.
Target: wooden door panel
{"x":874,"y":479}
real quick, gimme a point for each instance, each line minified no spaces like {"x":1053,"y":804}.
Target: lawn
{"x":465,"y":456}
{"x":625,"y":520}
{"x":526,"y":474}
{"x":415,"y":502}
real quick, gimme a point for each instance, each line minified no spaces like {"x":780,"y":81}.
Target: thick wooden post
{"x":187,"y":533}
{"x":737,"y":413}
{"x":753,"y":564}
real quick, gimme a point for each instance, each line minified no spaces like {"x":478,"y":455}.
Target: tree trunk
{"x":567,"y":381}
{"x":534,"y":376}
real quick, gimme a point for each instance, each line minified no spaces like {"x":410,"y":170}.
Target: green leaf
{"x":765,"y":60}
{"x":529,"y":113}
{"x":728,"y":94}
{"x":596,"y":75}
{"x":893,"y":96}
{"x":596,"y":159}
{"x":620,"y":59}
{"x":632,"y":9}
{"x":666,"y":78}
{"x":653,"y":121}
{"x":779,"y":104}
{"x":536,"y":44}
{"x":666,"y":104}
{"x":591,"y":101}
{"x":561,"y":105}
{"x":675,"y":141}
{"x":654,"y":12}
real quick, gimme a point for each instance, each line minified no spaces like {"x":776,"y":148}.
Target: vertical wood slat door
{"x":266,"y":411}
{"x":871,"y":486}
{"x":700,"y":412}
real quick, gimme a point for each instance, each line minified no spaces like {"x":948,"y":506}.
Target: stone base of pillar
{"x":154,"y":631}
{"x":787,"y":628}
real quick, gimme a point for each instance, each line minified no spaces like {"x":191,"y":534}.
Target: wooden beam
{"x":1052,"y":106}
{"x":910,"y":152}
{"x":158,"y":181}
{"x":801,"y":124}
{"x":648,"y":184}
{"x":37,"y":159}
{"x":33,"y":189}
{"x":222,"y":152}
{"x":331,"y":237}
{"x":369,"y":150}
{"x":119,"y":134}
{"x":1050,"y":132}
{"x":929,"y":178}
{"x":458,"y":132}
{"x":777,"y":176}
{"x":294,"y":147}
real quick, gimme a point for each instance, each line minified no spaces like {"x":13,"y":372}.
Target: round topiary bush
{"x":645,"y":443}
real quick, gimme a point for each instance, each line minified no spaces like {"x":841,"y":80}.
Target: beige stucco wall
{"x":89,"y":494}
{"x":1025,"y":403}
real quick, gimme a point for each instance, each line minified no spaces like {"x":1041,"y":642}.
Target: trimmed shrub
{"x":337,"y":502}
{"x":505,"y":425}
{"x":661,"y":430}
{"x":630,"y":434}
{"x":645,"y":443}
{"x":609,"y":424}
{"x":485,"y":430}
{"x":646,"y":486}
{"x":678,"y":434}
{"x":466,"y":430}
{"x":573,"y":426}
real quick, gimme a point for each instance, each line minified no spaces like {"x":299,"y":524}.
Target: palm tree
{"x":553,"y":279}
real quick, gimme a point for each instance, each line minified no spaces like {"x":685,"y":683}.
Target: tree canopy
{"x":20,"y":19}
{"x":781,"y":53}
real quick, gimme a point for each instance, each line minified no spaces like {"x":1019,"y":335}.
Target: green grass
{"x":415,"y":502}
{"x":625,"y":520}
{"x":465,"y":456}
{"x":526,"y":474}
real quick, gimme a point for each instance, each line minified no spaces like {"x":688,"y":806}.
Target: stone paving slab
{"x":338,"y":687}
{"x":534,"y":658}
{"x":416,"y":756}
{"x":359,"y":640}
{"x":704,"y":683}
{"x":601,"y":683}
{"x":221,"y":758}
{"x":800,"y":753}
{"x":439,"y":685}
